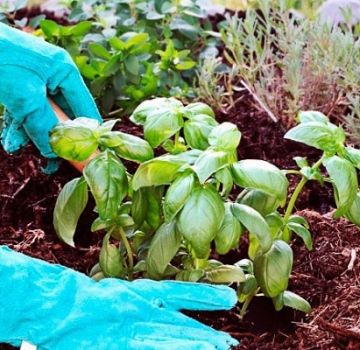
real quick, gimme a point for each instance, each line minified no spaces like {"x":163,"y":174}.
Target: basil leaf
{"x":302,"y":232}
{"x":225,"y":137}
{"x":127,"y":146}
{"x":262,"y":202}
{"x":254,"y":223}
{"x":157,"y":171}
{"x":353,"y":214}
{"x":209,"y":162}
{"x":326,"y":137}
{"x":197,"y":130}
{"x":110,"y":259}
{"x":313,"y":116}
{"x":225,"y":274}
{"x":292,"y":300}
{"x":344,"y":178}
{"x":70,"y":203}
{"x":228,"y":236}
{"x":201,"y":218}
{"x":177,"y":194}
{"x":75,"y":139}
{"x":106,"y":177}
{"x":272,"y":269}
{"x":224,"y":176}
{"x":155,"y":107}
{"x":139,"y":206}
{"x":161,"y":126}
{"x":154,"y":197}
{"x":197,"y":108}
{"x":353,"y":155}
{"x":261,"y":175}
{"x":163,"y":248}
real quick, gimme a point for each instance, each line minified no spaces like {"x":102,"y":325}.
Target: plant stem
{"x":176,"y":140}
{"x":247,"y":303}
{"x":297,"y":191}
{"x":199,"y":263}
{"x":294,"y":197}
{"x":129,"y":252}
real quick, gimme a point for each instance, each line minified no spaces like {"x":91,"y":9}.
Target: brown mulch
{"x":328,"y":276}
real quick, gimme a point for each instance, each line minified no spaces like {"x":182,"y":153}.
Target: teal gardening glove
{"x":30,"y":70}
{"x":57,"y":308}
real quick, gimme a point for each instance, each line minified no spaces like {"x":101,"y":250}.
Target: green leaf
{"x":157,"y":171}
{"x":99,"y":51}
{"x":259,"y":200}
{"x":344,"y":178}
{"x":107,"y":179}
{"x":197,"y":130}
{"x":225,"y":137}
{"x":75,"y":139}
{"x":353,"y":214}
{"x":164,"y":245}
{"x":190,"y":276}
{"x":134,"y":39}
{"x":272,"y":269}
{"x":326,"y":137}
{"x":154,"y":197}
{"x":139,"y":206}
{"x":70,"y":203}
{"x":81,"y":28}
{"x":292,"y":300}
{"x":276,"y":224}
{"x":161,"y":126}
{"x":353,"y":155}
{"x":132,"y":65}
{"x":201,"y":218}
{"x":209,"y":162}
{"x":156,"y":106}
{"x":302,"y":232}
{"x":261,"y":175}
{"x":313,"y":116}
{"x":254,"y":223}
{"x":185,"y":65}
{"x":299,"y":220}
{"x":228,"y":236}
{"x":194,"y":109}
{"x":110,"y":259}
{"x":127,"y":146}
{"x":49,"y":28}
{"x":117,"y":44}
{"x":224,"y":176}
{"x":226,"y":274}
{"x":177,"y":194}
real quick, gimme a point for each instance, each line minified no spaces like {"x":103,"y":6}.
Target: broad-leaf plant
{"x":174,"y":215}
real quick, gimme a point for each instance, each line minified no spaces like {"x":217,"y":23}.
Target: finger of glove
{"x":38,"y":126}
{"x":186,"y":295}
{"x":78,"y":96}
{"x":182,"y":329}
{"x":13,"y":135}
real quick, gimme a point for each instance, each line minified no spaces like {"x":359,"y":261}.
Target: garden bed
{"x":328,"y":276}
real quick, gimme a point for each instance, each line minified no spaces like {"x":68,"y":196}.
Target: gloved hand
{"x":31,"y":69}
{"x":56,"y":308}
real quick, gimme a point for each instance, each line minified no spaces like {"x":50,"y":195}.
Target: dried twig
{"x":257,"y":99}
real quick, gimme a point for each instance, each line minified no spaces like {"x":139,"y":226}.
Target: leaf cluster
{"x":174,"y":212}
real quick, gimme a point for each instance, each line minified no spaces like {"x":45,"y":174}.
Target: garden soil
{"x":328,"y":276}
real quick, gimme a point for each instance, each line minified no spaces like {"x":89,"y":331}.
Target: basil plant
{"x":173,"y":215}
